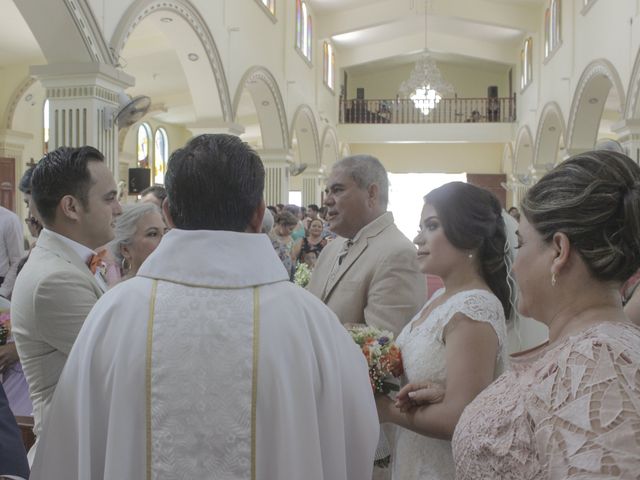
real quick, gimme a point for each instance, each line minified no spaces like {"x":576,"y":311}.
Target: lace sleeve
{"x":480,"y":306}
{"x":585,"y":411}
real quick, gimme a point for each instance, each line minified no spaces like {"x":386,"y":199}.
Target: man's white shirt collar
{"x":84,"y":252}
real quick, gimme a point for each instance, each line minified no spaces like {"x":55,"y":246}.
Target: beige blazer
{"x":52,"y":296}
{"x":378,"y":281}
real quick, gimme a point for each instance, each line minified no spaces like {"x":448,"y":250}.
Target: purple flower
{"x":383,"y":340}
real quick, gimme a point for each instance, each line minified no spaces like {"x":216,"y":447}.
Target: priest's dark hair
{"x":215,"y":182}
{"x":63,"y":171}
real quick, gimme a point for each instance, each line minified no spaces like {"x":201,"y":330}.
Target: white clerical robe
{"x":211,"y":365}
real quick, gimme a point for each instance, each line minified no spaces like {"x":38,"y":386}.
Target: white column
{"x":311,"y":186}
{"x":628,"y":132}
{"x":276,"y":165}
{"x":83,"y":102}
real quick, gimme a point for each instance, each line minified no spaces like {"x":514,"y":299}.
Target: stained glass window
{"x":329,"y":63}
{"x":552,"y":28}
{"x":46,"y":125}
{"x":526,"y":63}
{"x":161,"y":156}
{"x":144,"y":142}
{"x":304,"y":29}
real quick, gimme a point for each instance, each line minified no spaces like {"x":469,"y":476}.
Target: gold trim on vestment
{"x":152,"y":304}
{"x":254,"y":381}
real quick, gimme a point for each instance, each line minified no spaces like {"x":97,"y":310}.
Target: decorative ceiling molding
{"x":551,"y":113}
{"x":15,"y":99}
{"x":329,"y":135}
{"x":140,"y":9}
{"x":598,"y":69}
{"x":264,"y":76}
{"x":524,"y":141}
{"x":305,"y":111}
{"x":90,"y":31}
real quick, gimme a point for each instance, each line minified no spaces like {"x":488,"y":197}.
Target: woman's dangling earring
{"x":554,"y":280}
{"x":125,"y":265}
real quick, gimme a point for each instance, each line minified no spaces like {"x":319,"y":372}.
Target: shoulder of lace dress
{"x":585,"y":405}
{"x":478,"y":305}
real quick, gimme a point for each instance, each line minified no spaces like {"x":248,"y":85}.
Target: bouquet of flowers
{"x":302,"y":275}
{"x":383,"y":356}
{"x":5,"y":327}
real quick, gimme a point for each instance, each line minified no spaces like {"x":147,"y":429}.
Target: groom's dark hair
{"x":214,"y":183}
{"x":64,"y":171}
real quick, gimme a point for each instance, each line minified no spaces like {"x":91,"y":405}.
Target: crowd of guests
{"x":569,"y":408}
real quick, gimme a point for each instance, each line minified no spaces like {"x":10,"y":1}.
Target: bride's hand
{"x":415,"y":394}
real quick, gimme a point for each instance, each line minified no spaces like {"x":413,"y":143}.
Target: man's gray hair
{"x":126,"y":225}
{"x":366,"y":170}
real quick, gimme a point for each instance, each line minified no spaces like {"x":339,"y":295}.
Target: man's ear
{"x":166,"y":214}
{"x":70,"y":207}
{"x":255,"y":224}
{"x":373,"y":192}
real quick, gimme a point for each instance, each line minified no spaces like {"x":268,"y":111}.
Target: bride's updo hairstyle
{"x":471,"y":218}
{"x":593,"y":198}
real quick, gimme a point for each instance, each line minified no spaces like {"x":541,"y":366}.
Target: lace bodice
{"x":423,"y":356}
{"x":569,"y":411}
{"x":423,"y":346}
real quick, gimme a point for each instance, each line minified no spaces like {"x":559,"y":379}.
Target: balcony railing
{"x":448,"y":110}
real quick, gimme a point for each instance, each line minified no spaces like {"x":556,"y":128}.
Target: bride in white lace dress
{"x":458,"y":339}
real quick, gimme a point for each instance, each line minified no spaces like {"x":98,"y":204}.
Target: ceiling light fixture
{"x":593,"y":101}
{"x":425,"y":85}
{"x":193,"y":57}
{"x":166,"y":19}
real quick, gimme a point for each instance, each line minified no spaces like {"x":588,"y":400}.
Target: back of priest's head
{"x":215,"y":182}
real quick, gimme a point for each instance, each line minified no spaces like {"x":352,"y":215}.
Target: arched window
{"x":144,"y":145}
{"x":161,"y":155}
{"x":45,"y":115}
{"x":270,"y":5}
{"x":304,"y":31}
{"x":329,"y":63}
{"x":526,"y":63}
{"x":552,"y":28}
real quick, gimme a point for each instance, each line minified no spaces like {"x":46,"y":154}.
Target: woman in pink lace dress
{"x":459,"y":336}
{"x":571,"y":407}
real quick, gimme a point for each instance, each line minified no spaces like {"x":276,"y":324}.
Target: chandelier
{"x":425,"y":86}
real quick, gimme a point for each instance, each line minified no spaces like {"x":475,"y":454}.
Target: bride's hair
{"x":472,"y":220}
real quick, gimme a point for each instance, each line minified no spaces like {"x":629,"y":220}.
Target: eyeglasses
{"x":31,"y":221}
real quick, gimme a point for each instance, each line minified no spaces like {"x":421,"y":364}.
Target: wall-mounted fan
{"x":295,"y":170}
{"x":131,"y":111}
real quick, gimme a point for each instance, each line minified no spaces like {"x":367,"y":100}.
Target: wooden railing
{"x":448,"y":110}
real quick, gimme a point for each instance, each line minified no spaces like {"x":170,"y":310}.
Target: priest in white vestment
{"x":209,"y":364}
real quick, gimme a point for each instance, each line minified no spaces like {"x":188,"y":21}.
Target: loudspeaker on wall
{"x":139,"y":179}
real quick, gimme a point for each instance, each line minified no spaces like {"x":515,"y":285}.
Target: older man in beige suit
{"x":75,"y":195}
{"x":370,"y":273}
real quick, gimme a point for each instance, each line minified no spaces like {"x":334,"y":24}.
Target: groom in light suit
{"x":75,"y":195}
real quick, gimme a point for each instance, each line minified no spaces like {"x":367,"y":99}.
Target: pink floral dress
{"x":568,"y":411}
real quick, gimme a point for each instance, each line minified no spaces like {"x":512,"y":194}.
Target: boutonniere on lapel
{"x":97,"y":264}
